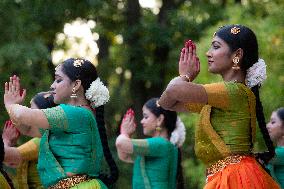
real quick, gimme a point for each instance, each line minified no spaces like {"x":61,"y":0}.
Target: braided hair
{"x":87,"y":73}
{"x":170,"y":124}
{"x":247,"y":41}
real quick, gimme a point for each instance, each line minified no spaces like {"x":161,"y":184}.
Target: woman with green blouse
{"x":71,"y":147}
{"x":275,"y":128}
{"x":156,"y":159}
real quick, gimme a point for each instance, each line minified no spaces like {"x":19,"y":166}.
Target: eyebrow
{"x":216,"y":42}
{"x":56,"y":75}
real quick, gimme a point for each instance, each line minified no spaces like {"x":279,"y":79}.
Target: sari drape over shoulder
{"x":155,"y":165}
{"x":71,"y":145}
{"x":225,"y":135}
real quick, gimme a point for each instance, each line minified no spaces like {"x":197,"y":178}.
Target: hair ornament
{"x":97,"y":93}
{"x":78,"y":63}
{"x":235,"y":30}
{"x":157,"y":104}
{"x":256,"y":74}
{"x":178,"y":135}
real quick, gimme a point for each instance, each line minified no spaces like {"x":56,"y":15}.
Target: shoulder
{"x":159,"y":141}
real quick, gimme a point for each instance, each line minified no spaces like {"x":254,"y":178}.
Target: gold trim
{"x":223,"y":163}
{"x":70,"y":182}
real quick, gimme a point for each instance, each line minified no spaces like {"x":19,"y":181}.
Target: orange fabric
{"x":247,"y":174}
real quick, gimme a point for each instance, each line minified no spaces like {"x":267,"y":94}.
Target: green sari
{"x":276,"y":166}
{"x":71,"y":145}
{"x":155,"y":165}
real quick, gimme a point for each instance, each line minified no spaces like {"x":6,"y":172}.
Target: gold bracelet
{"x":186,"y":77}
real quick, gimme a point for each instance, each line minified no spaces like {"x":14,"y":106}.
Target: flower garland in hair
{"x":178,"y":135}
{"x":256,"y":74}
{"x":97,"y":93}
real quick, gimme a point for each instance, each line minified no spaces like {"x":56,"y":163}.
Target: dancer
{"x":71,"y":149}
{"x":156,"y":159}
{"x":275,"y":128}
{"x":228,"y":110}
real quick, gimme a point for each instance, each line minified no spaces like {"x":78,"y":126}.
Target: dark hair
{"x":170,"y":116}
{"x":44,"y":100}
{"x":245,"y":39}
{"x":170,"y":124}
{"x":87,"y":73}
{"x":280,"y":113}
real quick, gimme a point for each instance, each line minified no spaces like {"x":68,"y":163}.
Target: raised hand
{"x":189,"y":65}
{"x":128,"y":125}
{"x":10,"y":134}
{"x":13,"y":93}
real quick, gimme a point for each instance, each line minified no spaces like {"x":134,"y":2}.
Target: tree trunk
{"x":136,"y":60}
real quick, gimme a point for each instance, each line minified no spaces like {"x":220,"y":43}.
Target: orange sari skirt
{"x":247,"y":174}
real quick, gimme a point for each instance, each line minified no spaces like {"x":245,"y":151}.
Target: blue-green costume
{"x":71,"y":145}
{"x":276,"y":166}
{"x":155,"y":165}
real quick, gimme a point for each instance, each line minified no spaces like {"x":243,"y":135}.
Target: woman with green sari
{"x":71,"y":149}
{"x":157,"y":159}
{"x":275,"y":128}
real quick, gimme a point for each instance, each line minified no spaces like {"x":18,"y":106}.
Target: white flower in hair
{"x":256,"y":74}
{"x":97,"y":93}
{"x":178,"y":135}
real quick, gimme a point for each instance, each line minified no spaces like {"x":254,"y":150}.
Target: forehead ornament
{"x":78,"y":63}
{"x":235,"y":30}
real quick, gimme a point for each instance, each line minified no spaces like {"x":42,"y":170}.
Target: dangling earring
{"x":158,"y":128}
{"x":236,"y":61}
{"x":73,"y":95}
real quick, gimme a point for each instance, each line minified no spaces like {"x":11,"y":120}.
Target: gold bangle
{"x":186,"y":77}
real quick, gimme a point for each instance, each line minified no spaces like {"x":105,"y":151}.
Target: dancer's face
{"x":275,"y":127}
{"x":149,"y":122}
{"x":61,"y":87}
{"x":219,"y":56}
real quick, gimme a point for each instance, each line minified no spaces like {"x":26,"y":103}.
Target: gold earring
{"x":158,"y":128}
{"x":236,"y":61}
{"x":73,"y":95}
